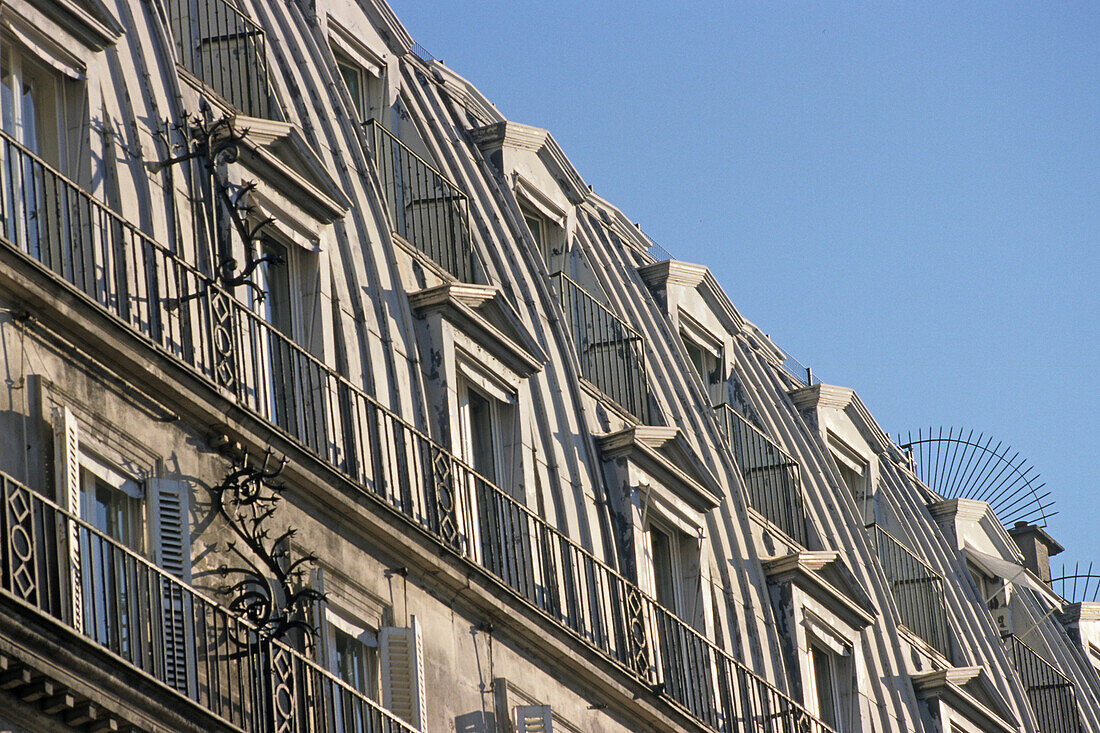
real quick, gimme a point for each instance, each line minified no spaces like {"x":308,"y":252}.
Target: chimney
{"x":1038,"y":547}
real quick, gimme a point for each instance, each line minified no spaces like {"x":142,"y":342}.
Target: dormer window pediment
{"x":290,"y":178}
{"x":481,"y":313}
{"x":824,"y":576}
{"x":514,"y":147}
{"x":964,"y":699}
{"x":662,"y":454}
{"x":77,"y":23}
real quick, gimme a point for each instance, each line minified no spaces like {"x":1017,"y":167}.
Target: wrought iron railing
{"x":917,"y":589}
{"x":211,"y":332}
{"x":426,"y":208}
{"x":799,"y":371}
{"x":67,"y":569}
{"x":611,"y":353}
{"x":224,"y":49}
{"x":1052,"y":695}
{"x":771,"y":475}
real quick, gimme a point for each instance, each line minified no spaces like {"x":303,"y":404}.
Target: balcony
{"x":611,"y":353}
{"x":1052,"y":696}
{"x":77,"y":241}
{"x":771,"y":475}
{"x":426,"y":209}
{"x":59,"y":566}
{"x":223,"y":49}
{"x":917,"y":589}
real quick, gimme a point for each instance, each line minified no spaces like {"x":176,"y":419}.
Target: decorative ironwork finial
{"x":958,"y":464}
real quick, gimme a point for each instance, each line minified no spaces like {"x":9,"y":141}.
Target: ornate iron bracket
{"x":271,"y":592}
{"x":215,"y":143}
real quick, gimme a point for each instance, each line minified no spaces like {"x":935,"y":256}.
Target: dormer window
{"x":666,"y":492}
{"x":664,"y":557}
{"x":823,"y":610}
{"x":856,"y":471}
{"x":705,"y":351}
{"x":488,"y":429}
{"x":361,"y":69}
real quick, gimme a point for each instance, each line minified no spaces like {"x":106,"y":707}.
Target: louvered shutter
{"x":66,"y":445}
{"x":403,"y":672}
{"x":534,"y":719}
{"x":172,"y":553}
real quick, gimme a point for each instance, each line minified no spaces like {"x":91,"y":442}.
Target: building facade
{"x":335,"y":401}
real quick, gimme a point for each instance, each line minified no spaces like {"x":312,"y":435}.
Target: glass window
{"x":277,"y":303}
{"x":113,"y":505}
{"x":355,"y":660}
{"x":353,"y":80}
{"x":825,"y":685}
{"x":483,"y":436}
{"x":698,"y":359}
{"x":28,"y":102}
{"x":663,"y":553}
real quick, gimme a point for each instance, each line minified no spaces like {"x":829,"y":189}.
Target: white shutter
{"x":403,"y":673}
{"x":172,"y":542}
{"x":66,"y":446}
{"x":172,"y":552}
{"x":534,"y":719}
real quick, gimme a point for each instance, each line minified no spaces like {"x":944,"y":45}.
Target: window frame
{"x":712,"y":350}
{"x":348,"y":50}
{"x":95,"y":472}
{"x":362,"y":633}
{"x":840,"y":680}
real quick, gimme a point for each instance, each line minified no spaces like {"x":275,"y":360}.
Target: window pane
{"x":698,"y":359}
{"x":353,"y":81}
{"x":112,"y":511}
{"x":355,"y":662}
{"x":825,"y":684}
{"x":277,"y":300}
{"x":481,"y":435}
{"x":535,"y":225}
{"x":663,"y":569}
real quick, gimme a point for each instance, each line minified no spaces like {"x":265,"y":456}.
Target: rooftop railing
{"x":60,"y":566}
{"x":1052,"y":695}
{"x":224,"y":49}
{"x":771,"y":475}
{"x":611,"y":353}
{"x":209,"y":331}
{"x":426,"y":208}
{"x":917,"y":589}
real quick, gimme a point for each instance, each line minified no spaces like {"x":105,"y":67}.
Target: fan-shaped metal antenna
{"x":1080,"y":586}
{"x":958,"y":464}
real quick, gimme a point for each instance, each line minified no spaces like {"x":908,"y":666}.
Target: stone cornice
{"x":822,"y":395}
{"x":87,"y":20}
{"x":278,"y":154}
{"x":980,"y":513}
{"x":673,"y":272}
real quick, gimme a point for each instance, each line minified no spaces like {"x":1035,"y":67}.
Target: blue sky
{"x":905,"y":196}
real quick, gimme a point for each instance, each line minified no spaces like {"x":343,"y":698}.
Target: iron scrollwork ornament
{"x":216,"y":143}
{"x":271,"y":591}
